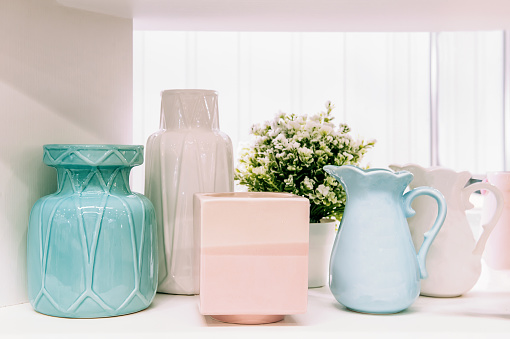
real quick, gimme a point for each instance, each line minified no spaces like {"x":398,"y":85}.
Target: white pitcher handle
{"x":488,"y":227}
{"x":430,"y":235}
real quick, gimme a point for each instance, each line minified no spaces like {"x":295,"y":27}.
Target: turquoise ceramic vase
{"x":374,"y":267}
{"x":92,"y":244}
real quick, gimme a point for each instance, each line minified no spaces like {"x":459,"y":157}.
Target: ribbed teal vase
{"x":92,"y":244}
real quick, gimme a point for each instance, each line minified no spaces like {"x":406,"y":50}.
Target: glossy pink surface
{"x":253,"y":255}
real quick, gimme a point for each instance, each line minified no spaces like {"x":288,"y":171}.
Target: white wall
{"x":65,"y":77}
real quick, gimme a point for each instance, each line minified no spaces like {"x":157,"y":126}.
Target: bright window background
{"x":471,"y":101}
{"x":379,"y":83}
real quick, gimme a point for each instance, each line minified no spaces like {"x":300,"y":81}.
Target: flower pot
{"x":92,"y":244}
{"x":253,"y":250}
{"x":322,"y":236}
{"x":188,"y":155}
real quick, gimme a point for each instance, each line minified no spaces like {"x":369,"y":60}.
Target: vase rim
{"x":375,"y":172}
{"x":431,"y":169}
{"x":249,"y":195}
{"x":356,"y":179}
{"x":80,"y":155}
{"x":92,"y":146}
{"x":189,"y":92}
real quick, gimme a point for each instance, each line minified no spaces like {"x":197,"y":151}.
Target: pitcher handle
{"x":431,"y":234}
{"x":488,"y":227}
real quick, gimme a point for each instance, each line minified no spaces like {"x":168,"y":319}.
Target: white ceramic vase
{"x":454,"y":259}
{"x":322,"y":236}
{"x":188,"y":155}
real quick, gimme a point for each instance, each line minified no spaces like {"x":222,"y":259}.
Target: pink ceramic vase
{"x":253,"y":253}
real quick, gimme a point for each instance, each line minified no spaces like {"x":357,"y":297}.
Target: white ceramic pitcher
{"x":454,"y":260}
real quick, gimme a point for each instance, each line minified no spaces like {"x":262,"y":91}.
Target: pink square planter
{"x":253,"y":255}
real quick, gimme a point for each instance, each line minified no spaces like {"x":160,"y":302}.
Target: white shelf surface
{"x":482,"y":313}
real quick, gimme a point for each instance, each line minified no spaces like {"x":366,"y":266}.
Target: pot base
{"x":376,"y":312}
{"x":433,"y":295}
{"x":248,"y":319}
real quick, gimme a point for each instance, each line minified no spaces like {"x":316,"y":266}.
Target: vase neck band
{"x":94,"y":179}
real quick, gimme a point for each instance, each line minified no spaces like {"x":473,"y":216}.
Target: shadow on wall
{"x":77,"y":64}
{"x":65,"y":77}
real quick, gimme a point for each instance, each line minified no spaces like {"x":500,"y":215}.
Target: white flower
{"x":303,"y":151}
{"x":332,"y":197}
{"x":308,"y":183}
{"x":289,"y":181}
{"x":312,"y":124}
{"x":303,"y":134}
{"x":324,"y":190}
{"x":325,"y":129}
{"x":294,"y":125}
{"x":279,"y":138}
{"x":347,"y":155}
{"x":259,"y":170}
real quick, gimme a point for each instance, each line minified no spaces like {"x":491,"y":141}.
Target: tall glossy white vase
{"x":189,"y":154}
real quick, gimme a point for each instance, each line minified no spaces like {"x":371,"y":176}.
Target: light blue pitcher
{"x":374,"y":267}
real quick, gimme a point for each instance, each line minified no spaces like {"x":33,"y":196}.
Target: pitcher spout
{"x":337,"y":172}
{"x":344,"y":174}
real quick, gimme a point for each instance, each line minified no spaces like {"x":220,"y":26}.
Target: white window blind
{"x":379,"y":83}
{"x":471,"y":101}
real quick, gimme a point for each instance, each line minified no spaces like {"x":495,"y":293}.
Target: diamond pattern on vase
{"x":63,"y":248}
{"x":117,"y":230}
{"x":130,"y":156}
{"x":188,"y":155}
{"x":93,"y":155}
{"x":91,"y":245}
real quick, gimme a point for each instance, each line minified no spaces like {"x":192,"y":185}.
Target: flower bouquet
{"x":288,"y":154}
